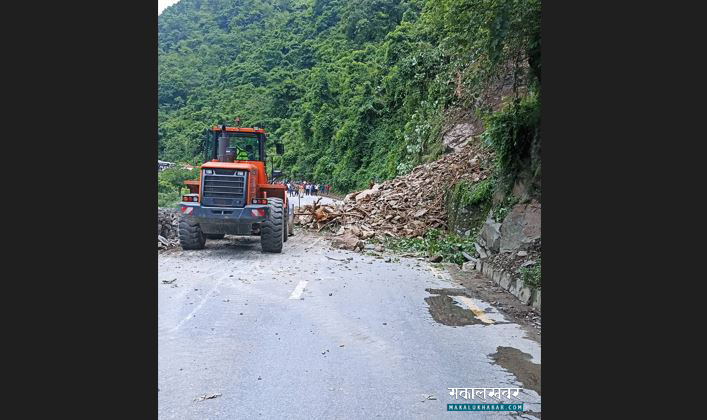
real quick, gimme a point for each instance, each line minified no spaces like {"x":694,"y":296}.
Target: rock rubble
{"x":406,"y":206}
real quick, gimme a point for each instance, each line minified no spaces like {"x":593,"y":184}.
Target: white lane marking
{"x":183,"y":289}
{"x":219,"y":280}
{"x":196,"y":309}
{"x":298,"y":290}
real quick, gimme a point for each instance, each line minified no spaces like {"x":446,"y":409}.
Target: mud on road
{"x":320,"y":332}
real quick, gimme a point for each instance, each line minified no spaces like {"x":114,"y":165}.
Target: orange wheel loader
{"x":233,"y":195}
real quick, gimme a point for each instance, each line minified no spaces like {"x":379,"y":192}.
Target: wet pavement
{"x":244,"y":334}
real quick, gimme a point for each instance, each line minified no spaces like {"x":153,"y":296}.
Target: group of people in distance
{"x":303,"y":188}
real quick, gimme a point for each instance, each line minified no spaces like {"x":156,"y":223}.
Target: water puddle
{"x":454,"y":307}
{"x":445,"y":311}
{"x":519,"y":364}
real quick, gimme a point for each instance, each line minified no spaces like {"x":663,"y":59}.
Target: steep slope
{"x":356,"y":90}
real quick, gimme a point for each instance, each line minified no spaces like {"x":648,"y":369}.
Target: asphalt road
{"x":299,"y":335}
{"x":309,"y":199}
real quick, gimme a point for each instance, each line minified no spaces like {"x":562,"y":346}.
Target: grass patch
{"x":468,"y":203}
{"x":473,"y":194}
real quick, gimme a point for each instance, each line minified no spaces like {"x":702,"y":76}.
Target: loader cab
{"x":241,"y":144}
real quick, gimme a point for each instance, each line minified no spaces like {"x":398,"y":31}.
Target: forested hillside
{"x":356,"y":90}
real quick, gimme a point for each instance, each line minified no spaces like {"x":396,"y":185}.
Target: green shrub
{"x":435,"y":242}
{"x":531,"y":275}
{"x":511,"y":133}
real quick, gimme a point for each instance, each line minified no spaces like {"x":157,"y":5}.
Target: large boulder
{"x":355,"y":231}
{"x":521,"y":227}
{"x":366,"y":195}
{"x":351,"y":196}
{"x":347,"y":241}
{"x":491,"y":234}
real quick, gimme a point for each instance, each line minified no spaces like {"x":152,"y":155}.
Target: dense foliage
{"x":356,"y":90}
{"x":170,"y":185}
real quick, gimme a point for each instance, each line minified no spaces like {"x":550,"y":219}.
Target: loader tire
{"x":190,"y":234}
{"x":271,"y":236}
{"x":215,"y":236}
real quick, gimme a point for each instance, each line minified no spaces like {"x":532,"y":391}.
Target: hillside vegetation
{"x":356,"y":90}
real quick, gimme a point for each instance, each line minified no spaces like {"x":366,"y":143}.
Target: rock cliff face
{"x":507,"y":228}
{"x":518,"y":233}
{"x":520,"y":229}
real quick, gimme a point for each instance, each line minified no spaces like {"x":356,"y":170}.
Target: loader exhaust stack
{"x":222,"y":148}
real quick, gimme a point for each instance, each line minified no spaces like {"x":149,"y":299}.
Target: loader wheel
{"x":190,"y":234}
{"x":271,"y":236}
{"x":215,"y":236}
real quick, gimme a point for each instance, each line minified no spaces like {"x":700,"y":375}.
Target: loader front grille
{"x":224,"y":190}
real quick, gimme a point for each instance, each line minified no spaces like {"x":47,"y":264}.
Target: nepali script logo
{"x":497,"y":394}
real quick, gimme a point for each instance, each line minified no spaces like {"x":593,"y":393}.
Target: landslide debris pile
{"x":406,"y":206}
{"x":167,"y":228}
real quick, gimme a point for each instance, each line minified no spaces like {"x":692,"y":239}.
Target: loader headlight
{"x":208,"y":171}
